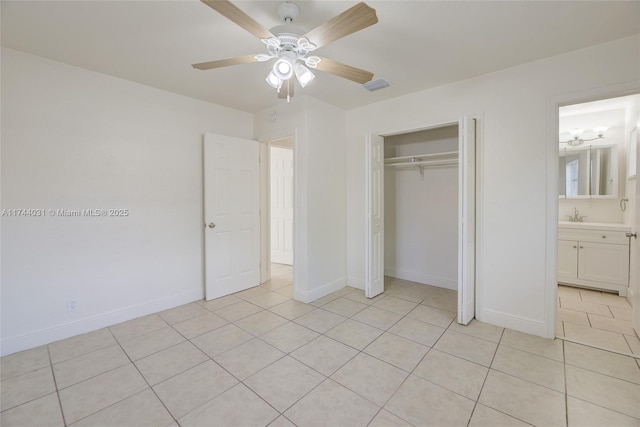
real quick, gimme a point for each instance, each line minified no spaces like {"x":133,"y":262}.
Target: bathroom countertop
{"x":594,"y":226}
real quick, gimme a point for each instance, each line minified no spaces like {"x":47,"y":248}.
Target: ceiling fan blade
{"x":286,"y":91}
{"x":247,"y":59}
{"x":345,"y":71}
{"x":348,"y":22}
{"x":231,"y":12}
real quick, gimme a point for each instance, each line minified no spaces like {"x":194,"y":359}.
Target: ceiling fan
{"x":291,"y":47}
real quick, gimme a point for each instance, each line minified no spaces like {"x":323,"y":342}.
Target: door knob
{"x":212,"y":225}
{"x":634,"y":235}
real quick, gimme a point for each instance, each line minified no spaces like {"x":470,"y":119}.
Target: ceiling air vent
{"x":376,"y":85}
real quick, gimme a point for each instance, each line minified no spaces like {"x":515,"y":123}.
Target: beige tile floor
{"x":259,"y":358}
{"x":598,"y":319}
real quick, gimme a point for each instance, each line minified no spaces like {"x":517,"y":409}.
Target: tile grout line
{"x":325,"y":377}
{"x":414,"y":368}
{"x":274,"y":362}
{"x":566,"y":387}
{"x":475,"y":405}
{"x":604,"y":407}
{"x":239,"y":381}
{"x":410,"y":373}
{"x":361,"y":352}
{"x":111,"y":370}
{"x":143,"y":377}
{"x":631,"y":355}
{"x":55,"y":384}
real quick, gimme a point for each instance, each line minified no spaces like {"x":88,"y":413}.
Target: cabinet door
{"x":567,"y":259}
{"x":604,"y":263}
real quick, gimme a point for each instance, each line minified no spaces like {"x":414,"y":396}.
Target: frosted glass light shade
{"x":303,"y":74}
{"x":283,"y":69}
{"x":273,"y":80}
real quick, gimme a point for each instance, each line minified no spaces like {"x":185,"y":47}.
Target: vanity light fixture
{"x":577,"y":135}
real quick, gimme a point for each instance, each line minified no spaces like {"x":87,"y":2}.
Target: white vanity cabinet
{"x":594,"y":256}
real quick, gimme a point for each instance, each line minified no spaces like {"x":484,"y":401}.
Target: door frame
{"x":458,"y":121}
{"x":284,"y":144}
{"x":552,"y":203}
{"x":266,"y":142}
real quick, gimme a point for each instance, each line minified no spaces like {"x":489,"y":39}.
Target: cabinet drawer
{"x":611,"y":237}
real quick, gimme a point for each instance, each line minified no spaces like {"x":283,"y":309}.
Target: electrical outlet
{"x":72,"y":304}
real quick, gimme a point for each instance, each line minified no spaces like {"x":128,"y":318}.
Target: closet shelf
{"x":423,"y":161}
{"x":435,"y":159}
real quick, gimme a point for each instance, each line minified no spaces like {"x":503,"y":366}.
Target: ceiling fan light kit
{"x":291,"y":50}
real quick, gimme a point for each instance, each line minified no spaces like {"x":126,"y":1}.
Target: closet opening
{"x":421,"y":217}
{"x":421,"y":209}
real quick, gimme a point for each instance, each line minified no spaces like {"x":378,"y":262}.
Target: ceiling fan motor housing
{"x":288,"y":43}
{"x":288,"y":12}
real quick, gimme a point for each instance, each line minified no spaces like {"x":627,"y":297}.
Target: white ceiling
{"x":610,"y":113}
{"x":415,"y":45}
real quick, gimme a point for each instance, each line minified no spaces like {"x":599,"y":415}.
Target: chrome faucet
{"x":576,"y":216}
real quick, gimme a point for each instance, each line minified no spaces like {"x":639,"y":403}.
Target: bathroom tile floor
{"x":254,"y":358}
{"x":595,"y":318}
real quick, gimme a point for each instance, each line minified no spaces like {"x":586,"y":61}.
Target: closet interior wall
{"x":421,"y":206}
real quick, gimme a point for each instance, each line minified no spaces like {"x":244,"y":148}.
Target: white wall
{"x":76,"y":139}
{"x":594,"y":210}
{"x":319,"y":190}
{"x":512,"y":160}
{"x":421,"y":212}
{"x":327,"y":198}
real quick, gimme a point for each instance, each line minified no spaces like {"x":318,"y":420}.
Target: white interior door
{"x":374,"y":236}
{"x":232,"y":215}
{"x":467,"y":220}
{"x":281,"y":201}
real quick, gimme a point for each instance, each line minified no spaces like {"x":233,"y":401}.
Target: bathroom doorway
{"x":596,"y":203}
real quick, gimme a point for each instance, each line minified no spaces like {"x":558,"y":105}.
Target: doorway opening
{"x":597,"y":210}
{"x":280,"y":214}
{"x":421,"y":216}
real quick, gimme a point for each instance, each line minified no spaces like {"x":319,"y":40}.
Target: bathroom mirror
{"x":588,"y":172}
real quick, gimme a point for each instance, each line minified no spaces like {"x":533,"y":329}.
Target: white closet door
{"x":467,"y":220}
{"x":374,"y":236}
{"x":635,"y":242}
{"x":232,"y":215}
{"x":281,"y":173}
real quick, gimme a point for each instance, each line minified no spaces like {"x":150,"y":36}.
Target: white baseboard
{"x":441,"y":282}
{"x":518,"y":323}
{"x":319,"y":292}
{"x":93,"y":323}
{"x":355,"y":282}
{"x":630,"y":295}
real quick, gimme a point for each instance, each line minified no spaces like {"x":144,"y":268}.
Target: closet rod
{"x":424,"y":163}
{"x":419,"y":157}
